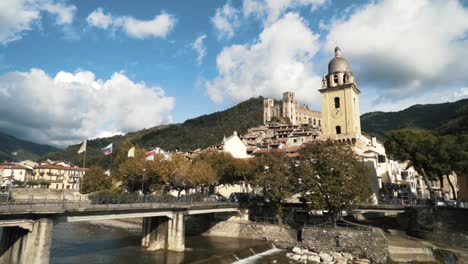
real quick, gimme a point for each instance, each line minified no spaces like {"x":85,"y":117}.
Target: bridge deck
{"x":87,"y":212}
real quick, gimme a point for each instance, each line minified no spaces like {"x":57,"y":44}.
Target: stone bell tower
{"x":340,"y":101}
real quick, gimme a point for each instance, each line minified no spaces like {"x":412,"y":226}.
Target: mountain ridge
{"x":199,"y":132}
{"x":25,"y":149}
{"x":209,"y":129}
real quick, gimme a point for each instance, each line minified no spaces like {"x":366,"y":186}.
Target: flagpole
{"x":83,"y":173}
{"x":143,"y":179}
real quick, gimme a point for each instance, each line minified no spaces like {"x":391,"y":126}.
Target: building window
{"x":314,"y":122}
{"x":338,"y":130}
{"x":335,"y":79}
{"x":337,"y":102}
{"x":320,"y":122}
{"x":381,"y":158}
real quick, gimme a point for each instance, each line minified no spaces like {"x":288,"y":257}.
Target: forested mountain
{"x":24,"y":149}
{"x":446,"y":118}
{"x":194,"y":133}
{"x":209,"y":129}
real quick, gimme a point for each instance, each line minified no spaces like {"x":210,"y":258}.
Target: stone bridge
{"x":27,"y":229}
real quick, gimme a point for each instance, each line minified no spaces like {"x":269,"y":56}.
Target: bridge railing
{"x":104,"y":201}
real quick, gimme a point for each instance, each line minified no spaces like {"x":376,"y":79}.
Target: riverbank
{"x":379,"y":246}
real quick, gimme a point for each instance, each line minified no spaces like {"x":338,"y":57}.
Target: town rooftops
{"x":13,"y":166}
{"x":58,"y":167}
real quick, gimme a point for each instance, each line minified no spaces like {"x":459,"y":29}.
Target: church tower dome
{"x":338,"y":64}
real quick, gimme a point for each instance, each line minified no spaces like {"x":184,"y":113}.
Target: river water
{"x":79,"y":243}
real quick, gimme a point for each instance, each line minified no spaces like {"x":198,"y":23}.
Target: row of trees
{"x":327,"y":175}
{"x":433,"y":156}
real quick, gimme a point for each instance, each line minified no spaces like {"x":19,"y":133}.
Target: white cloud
{"x":64,"y":13}
{"x":225,"y":21}
{"x":199,"y":48}
{"x":70,"y":107}
{"x":405,"y":47}
{"x":270,"y":10}
{"x":17,"y":16}
{"x":158,"y":27}
{"x":97,"y":18}
{"x":270,"y":66}
{"x":371,"y":101}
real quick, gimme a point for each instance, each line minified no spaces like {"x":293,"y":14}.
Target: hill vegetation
{"x":199,"y":132}
{"x":446,"y":118}
{"x":24,"y":149}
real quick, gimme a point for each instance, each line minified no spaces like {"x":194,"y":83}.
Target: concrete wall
{"x":19,"y":245}
{"x":45,"y":194}
{"x":442,"y":224}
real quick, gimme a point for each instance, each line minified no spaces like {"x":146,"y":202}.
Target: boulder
{"x":325,"y":257}
{"x":347,"y":256}
{"x":289,"y":255}
{"x":340,"y":260}
{"x":296,"y":257}
{"x":314,"y":259}
{"x":304,"y":257}
{"x":361,"y":261}
{"x":296,"y":250}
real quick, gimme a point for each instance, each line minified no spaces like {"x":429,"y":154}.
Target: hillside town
{"x":287,"y":126}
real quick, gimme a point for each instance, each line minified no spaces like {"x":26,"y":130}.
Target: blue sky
{"x":71,"y":70}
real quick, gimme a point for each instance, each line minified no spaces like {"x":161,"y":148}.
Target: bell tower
{"x":340,"y":101}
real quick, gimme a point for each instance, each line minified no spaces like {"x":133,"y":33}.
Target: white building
{"x":10,"y":172}
{"x":234,"y":146}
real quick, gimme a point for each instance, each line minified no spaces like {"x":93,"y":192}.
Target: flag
{"x":131,"y":152}
{"x":107,"y":150}
{"x":82,"y":148}
{"x":149,"y":155}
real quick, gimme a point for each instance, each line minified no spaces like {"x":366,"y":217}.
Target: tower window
{"x":337,"y":102}
{"x":335,"y":79}
{"x":338,"y":130}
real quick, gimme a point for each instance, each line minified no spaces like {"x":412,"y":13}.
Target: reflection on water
{"x":87,"y":243}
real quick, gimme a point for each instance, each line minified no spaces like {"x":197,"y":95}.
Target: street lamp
{"x":143,"y":180}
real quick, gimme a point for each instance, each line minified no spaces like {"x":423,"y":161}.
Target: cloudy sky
{"x":71,"y":70}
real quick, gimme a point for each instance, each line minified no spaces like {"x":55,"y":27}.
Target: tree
{"x":417,"y":146}
{"x":179,"y":173}
{"x":273,"y":176}
{"x":200,"y":174}
{"x":330,"y":176}
{"x":130,"y":171}
{"x":95,"y":180}
{"x":122,"y":152}
{"x":222,"y":164}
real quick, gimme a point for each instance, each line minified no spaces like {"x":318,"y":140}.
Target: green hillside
{"x":194,"y":133}
{"x":441,"y":118}
{"x":25,"y":149}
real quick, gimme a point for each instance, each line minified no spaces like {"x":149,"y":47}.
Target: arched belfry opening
{"x":338,"y":130}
